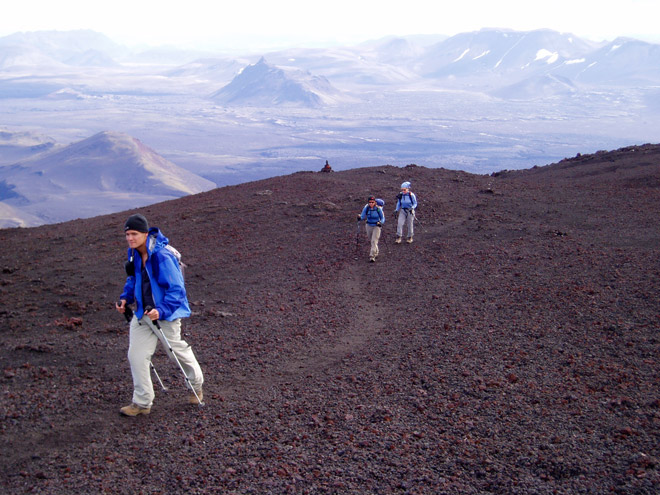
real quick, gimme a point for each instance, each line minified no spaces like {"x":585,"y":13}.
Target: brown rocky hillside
{"x":512,"y":348}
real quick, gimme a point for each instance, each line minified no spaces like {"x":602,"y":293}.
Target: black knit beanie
{"x":137,"y":222}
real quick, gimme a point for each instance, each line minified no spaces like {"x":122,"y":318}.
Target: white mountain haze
{"x":483,"y":101}
{"x":107,"y":172}
{"x":60,"y":47}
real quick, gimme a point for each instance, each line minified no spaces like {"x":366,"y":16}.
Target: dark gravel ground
{"x":511,"y":349}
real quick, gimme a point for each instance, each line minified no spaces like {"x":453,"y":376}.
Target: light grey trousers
{"x":373,"y":234}
{"x":406,"y":219}
{"x":143,"y":339}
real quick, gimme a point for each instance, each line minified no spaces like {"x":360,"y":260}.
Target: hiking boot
{"x":398,"y":240}
{"x":134,"y":410}
{"x":409,"y":240}
{"x":193,"y":400}
{"x":372,"y":259}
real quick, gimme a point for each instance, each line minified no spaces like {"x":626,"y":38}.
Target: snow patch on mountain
{"x":460,"y":57}
{"x":547,"y":55}
{"x":623,"y":62}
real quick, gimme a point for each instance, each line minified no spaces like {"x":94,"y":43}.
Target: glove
{"x":128,"y":313}
{"x":379,"y":224}
{"x":359,"y":218}
{"x":395,"y":212}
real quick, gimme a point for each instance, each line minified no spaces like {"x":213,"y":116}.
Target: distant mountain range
{"x":492,"y":59}
{"x":76,"y":48}
{"x":471,"y":78}
{"x":107,"y":172}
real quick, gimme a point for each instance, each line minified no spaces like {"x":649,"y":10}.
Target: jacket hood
{"x":156,"y":240}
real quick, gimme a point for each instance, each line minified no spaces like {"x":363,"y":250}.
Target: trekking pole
{"x":153,"y":368}
{"x":357,"y":237}
{"x":128,"y":314}
{"x":167,"y":342}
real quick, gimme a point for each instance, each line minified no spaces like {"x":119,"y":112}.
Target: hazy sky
{"x":189,"y":23}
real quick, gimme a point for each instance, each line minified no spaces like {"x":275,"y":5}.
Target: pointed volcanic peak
{"x":111,"y":161}
{"x":265,"y":85}
{"x":105,"y":173}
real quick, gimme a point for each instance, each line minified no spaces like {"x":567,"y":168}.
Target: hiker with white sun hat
{"x":406,"y":202}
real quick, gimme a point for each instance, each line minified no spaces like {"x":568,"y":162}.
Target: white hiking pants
{"x":373,"y":234}
{"x":406,"y":219}
{"x":143,"y":340}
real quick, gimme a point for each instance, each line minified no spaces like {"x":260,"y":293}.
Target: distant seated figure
{"x":326,"y":167}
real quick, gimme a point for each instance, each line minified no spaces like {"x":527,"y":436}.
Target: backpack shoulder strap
{"x":175,"y":252}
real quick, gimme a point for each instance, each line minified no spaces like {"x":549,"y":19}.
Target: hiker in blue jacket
{"x":375,"y":218}
{"x":406,"y":202}
{"x":154,"y":280}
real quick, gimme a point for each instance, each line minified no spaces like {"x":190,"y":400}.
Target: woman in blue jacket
{"x":406,"y":202}
{"x":154,"y":280}
{"x":375,"y":218}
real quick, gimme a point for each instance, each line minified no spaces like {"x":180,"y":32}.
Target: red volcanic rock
{"x":512,"y":348}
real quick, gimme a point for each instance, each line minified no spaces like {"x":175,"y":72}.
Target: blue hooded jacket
{"x":407,"y":201}
{"x":167,"y":284}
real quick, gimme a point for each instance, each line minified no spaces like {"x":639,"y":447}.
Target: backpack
{"x":130,"y":270}
{"x":177,"y":255}
{"x":175,"y":252}
{"x":378,"y":210}
{"x":400,"y":196}
{"x":380,"y":202}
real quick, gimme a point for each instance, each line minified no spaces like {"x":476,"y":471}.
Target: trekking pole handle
{"x":128,"y":312}
{"x":147,"y":310}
